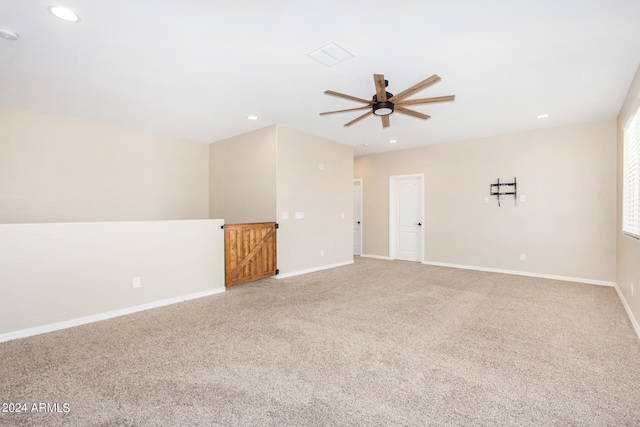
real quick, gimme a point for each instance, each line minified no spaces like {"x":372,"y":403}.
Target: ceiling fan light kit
{"x":383,"y":103}
{"x":383,"y":108}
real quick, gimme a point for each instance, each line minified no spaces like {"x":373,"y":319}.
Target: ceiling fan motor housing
{"x":375,"y":96}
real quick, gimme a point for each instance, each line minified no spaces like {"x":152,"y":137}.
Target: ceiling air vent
{"x":330,"y":54}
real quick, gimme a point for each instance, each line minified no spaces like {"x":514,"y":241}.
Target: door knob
{"x":358,"y":222}
{"x":419,"y":223}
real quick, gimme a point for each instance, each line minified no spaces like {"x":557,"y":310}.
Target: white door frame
{"x":359,"y":180}
{"x":392,"y":197}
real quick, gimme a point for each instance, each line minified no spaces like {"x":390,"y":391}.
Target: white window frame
{"x":631,"y":177}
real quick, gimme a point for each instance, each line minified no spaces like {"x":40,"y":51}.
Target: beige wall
{"x":71,"y":273}
{"x":242,"y":177}
{"x":628,"y":253}
{"x":56,"y":169}
{"x":566,"y":226}
{"x":324,"y":196}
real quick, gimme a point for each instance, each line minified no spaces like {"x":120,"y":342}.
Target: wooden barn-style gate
{"x":250,"y":252}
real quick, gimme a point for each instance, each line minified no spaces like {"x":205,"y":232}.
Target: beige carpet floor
{"x":376,"y":343}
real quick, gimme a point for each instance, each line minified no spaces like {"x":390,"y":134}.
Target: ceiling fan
{"x":383,"y":103}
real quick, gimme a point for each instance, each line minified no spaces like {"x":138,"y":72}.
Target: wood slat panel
{"x":250,"y":252}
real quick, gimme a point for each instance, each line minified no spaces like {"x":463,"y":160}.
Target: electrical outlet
{"x":321,"y":252}
{"x":523,"y":257}
{"x":136,"y":282}
{"x":486,"y":199}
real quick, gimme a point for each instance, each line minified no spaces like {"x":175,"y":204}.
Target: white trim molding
{"x":523,"y":273}
{"x":24,"y":333}
{"x":634,"y":321}
{"x":375,"y":256}
{"x":312,"y":270}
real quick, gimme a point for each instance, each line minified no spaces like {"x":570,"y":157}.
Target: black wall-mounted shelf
{"x":504,"y":189}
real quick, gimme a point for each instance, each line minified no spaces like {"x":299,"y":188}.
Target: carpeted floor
{"x":376,"y":343}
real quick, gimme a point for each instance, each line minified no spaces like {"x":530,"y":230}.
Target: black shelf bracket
{"x":504,"y":189}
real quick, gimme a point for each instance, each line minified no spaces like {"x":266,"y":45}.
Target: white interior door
{"x":406,"y":217}
{"x":357,"y":217}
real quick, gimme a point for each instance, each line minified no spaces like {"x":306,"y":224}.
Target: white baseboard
{"x":375,"y":256}
{"x":103,"y":316}
{"x":523,"y":273}
{"x":634,"y":321}
{"x":312,"y":270}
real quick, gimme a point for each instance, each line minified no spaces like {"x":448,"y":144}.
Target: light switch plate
{"x":299,"y":215}
{"x":285,"y":215}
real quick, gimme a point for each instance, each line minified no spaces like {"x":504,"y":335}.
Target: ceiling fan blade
{"x":381,"y":87}
{"x":357,"y":119}
{"x":426,"y":100}
{"x":413,"y":113}
{"x":385,"y":121}
{"x":415,"y":88}
{"x":349,"y":97}
{"x":345,"y":111}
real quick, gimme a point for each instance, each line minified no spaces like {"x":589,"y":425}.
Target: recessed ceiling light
{"x":393,"y":141}
{"x":252,"y":117}
{"x":366,"y":144}
{"x":542,"y":116}
{"x":64,"y":13}
{"x":8,"y":33}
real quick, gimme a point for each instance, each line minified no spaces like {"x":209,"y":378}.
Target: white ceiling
{"x":196,"y":69}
